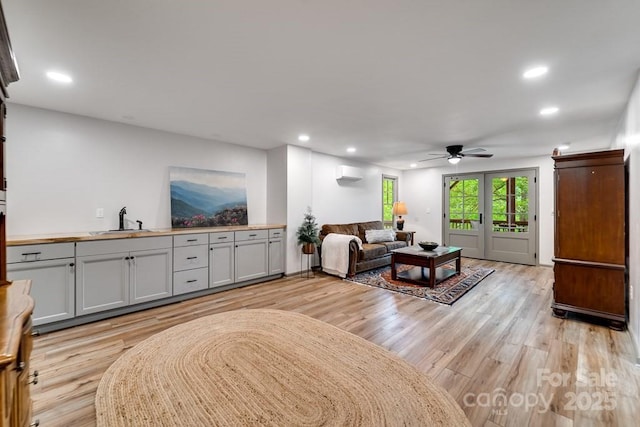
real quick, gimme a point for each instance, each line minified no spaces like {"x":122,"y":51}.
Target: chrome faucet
{"x":123,"y":211}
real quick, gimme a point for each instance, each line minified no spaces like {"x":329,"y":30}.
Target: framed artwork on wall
{"x":207,"y":198}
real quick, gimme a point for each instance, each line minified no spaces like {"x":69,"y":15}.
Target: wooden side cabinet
{"x":589,"y":261}
{"x":16,"y":307}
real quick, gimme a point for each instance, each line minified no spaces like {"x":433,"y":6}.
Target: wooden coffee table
{"x":427,"y":271}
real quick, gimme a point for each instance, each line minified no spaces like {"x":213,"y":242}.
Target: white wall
{"x":299,"y":198}
{"x":277,"y":185}
{"x":629,"y":139}
{"x":61,"y":167}
{"x":337,"y":202}
{"x":422,"y":191}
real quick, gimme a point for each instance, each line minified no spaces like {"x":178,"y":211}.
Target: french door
{"x":492,"y":215}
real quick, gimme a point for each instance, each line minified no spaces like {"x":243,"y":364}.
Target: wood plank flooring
{"x":498,"y":350}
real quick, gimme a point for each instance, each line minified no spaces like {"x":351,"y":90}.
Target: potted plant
{"x":308,"y":233}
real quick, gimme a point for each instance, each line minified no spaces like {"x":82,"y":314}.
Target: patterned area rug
{"x":446,"y":292}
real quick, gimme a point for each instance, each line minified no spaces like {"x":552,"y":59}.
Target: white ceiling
{"x":396,"y":79}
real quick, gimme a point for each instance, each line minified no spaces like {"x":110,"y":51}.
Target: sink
{"x":125,"y":231}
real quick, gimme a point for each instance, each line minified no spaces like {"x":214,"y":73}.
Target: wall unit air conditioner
{"x":348,"y":173}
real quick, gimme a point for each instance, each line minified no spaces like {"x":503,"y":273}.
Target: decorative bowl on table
{"x":428,"y":246}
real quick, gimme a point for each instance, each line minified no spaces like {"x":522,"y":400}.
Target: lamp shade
{"x":399,"y":208}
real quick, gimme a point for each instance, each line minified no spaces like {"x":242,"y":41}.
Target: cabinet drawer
{"x":27,"y":253}
{"x":251,"y":235}
{"x":190,"y":240}
{"x":189,"y":257}
{"x":276,"y":233}
{"x":190,"y":280}
{"x":221,"y":237}
{"x":113,"y":246}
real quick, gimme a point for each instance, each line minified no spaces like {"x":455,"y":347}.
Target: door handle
{"x":480,"y":218}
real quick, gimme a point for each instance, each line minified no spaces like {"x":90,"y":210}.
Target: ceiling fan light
{"x":454,"y":160}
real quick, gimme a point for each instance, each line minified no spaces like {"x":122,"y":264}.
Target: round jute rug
{"x":267,"y":367}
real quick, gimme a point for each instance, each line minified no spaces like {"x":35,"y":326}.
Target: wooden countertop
{"x":88,"y":236}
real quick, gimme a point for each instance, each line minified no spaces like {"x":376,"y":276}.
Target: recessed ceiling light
{"x":535,"y":72}
{"x":548,"y":111}
{"x":303,"y":138}
{"x":563,"y":147}
{"x":59,"y":77}
{"x":413,"y":165}
{"x":351,"y":150}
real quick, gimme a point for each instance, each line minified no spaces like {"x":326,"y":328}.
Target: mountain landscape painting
{"x":205,"y":198}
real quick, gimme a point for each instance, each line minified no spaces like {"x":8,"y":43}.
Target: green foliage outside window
{"x":388,"y":192}
{"x":510,"y":202}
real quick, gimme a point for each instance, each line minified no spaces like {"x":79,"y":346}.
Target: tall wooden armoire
{"x":589,"y":262}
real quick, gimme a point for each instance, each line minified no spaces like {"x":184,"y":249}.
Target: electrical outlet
{"x":100,"y":213}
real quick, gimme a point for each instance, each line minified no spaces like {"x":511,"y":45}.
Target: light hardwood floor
{"x":498,"y":341}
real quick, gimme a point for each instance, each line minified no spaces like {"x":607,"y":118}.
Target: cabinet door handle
{"x":192,"y":240}
{"x":223,"y":237}
{"x":191,"y":281}
{"x":20,"y":367}
{"x":127,"y":258}
{"x":192,"y":257}
{"x":31,"y":253}
{"x":72,"y":264}
{"x":252,"y":235}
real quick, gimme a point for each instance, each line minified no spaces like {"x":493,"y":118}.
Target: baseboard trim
{"x":636,"y":345}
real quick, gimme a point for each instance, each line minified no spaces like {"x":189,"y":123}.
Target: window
{"x":389,"y":195}
{"x":511,"y":204}
{"x":463,"y":204}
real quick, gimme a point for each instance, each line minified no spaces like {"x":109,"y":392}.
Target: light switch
{"x":100,"y":213}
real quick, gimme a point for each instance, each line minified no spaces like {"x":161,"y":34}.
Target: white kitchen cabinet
{"x":190,"y":263}
{"x":120,"y":272}
{"x":251,"y":254}
{"x":102,"y":282}
{"x":150,"y":275}
{"x":276,"y":251}
{"x":221,"y":259}
{"x":51,"y":269}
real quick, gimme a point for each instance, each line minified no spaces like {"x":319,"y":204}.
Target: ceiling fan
{"x":455,"y":154}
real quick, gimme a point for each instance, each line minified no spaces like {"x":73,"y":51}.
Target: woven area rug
{"x":267,"y":367}
{"x":446,"y":292}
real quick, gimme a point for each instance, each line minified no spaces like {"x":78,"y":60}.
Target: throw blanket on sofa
{"x":335,"y":253}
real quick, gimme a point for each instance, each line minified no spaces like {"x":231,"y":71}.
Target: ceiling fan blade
{"x":472,"y":150}
{"x":439,"y":156}
{"x":487,"y":155}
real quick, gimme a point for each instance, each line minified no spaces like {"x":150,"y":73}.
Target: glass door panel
{"x":509,"y":237}
{"x":463,"y":214}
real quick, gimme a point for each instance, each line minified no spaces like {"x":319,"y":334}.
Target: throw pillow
{"x":376,"y":236}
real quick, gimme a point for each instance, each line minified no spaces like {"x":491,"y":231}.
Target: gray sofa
{"x":372,"y":255}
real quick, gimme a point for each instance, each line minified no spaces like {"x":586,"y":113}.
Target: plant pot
{"x":308,"y":248}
